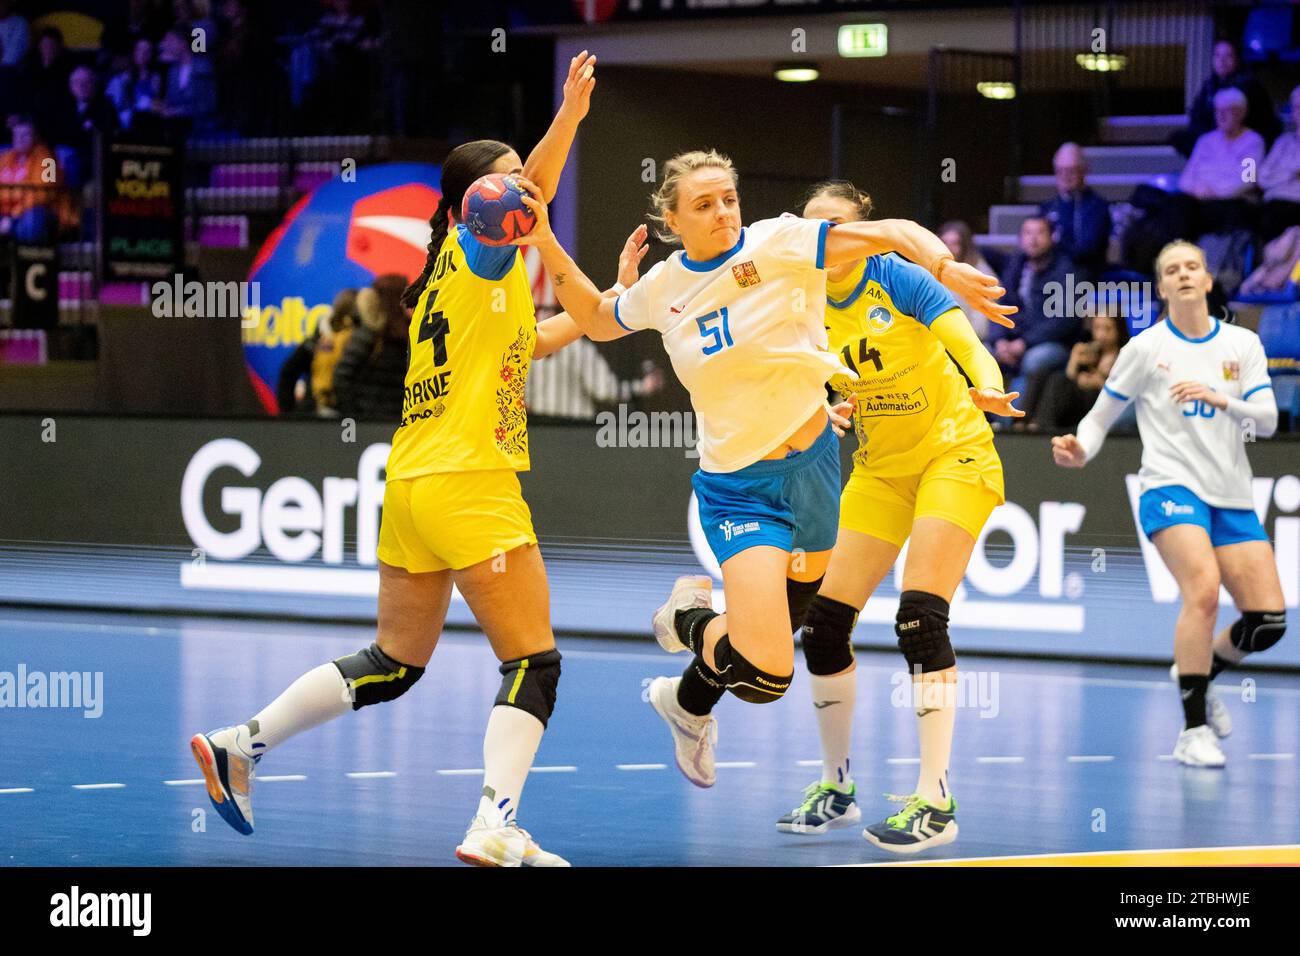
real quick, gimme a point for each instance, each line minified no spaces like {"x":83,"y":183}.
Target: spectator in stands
{"x":306,"y":382}
{"x":343,"y":40}
{"x":242,"y":51}
{"x":91,"y":113}
{"x":1227,"y":74}
{"x":956,"y":235}
{"x":1279,"y":177}
{"x":139,"y":88}
{"x":1058,"y":399}
{"x":191,"y":15}
{"x":143,"y":22}
{"x":190,"y":92}
{"x":29,"y":201}
{"x":1222,"y":170}
{"x":46,"y":85}
{"x":1080,"y":219}
{"x":1036,"y":281}
{"x":370,"y":376}
{"x":14,"y":39}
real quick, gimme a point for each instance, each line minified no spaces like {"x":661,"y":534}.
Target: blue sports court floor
{"x":1051,"y":758}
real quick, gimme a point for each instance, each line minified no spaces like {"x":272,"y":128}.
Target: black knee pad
{"x":529,"y":683}
{"x":922,"y":629}
{"x":799,"y":596}
{"x":744,"y":679}
{"x":1257,"y":631}
{"x":373,"y":677}
{"x":827,"y":636}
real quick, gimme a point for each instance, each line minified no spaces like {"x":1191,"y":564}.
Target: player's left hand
{"x":1195,"y":391}
{"x":842,"y":415}
{"x":980,"y":291}
{"x":629,"y":260}
{"x":996,"y":401}
{"x":578,"y":86}
{"x":541,"y":233}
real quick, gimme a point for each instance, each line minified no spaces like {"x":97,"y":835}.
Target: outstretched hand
{"x":578,"y":86}
{"x":996,"y":402}
{"x":979,"y":290}
{"x":629,"y":259}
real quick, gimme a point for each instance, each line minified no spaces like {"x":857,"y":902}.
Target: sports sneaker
{"x":689,"y":591}
{"x":1199,"y":747}
{"x":493,"y":843}
{"x":228,"y":773}
{"x":693,"y":737}
{"x":1216,"y":711}
{"x":825,"y":807}
{"x":918,"y":826}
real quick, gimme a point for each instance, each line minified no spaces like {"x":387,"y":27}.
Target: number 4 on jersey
{"x":434,"y":326}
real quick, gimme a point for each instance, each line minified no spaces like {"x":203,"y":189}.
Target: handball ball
{"x":494,"y":212}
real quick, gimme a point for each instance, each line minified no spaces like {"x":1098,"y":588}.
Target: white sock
{"x":936,"y":714}
{"x":834,"y":698}
{"x":509,"y":746}
{"x":319,"y":695}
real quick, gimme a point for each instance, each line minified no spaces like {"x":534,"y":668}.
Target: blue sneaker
{"x":918,"y":826}
{"x":825,"y":807}
{"x":228,"y":774}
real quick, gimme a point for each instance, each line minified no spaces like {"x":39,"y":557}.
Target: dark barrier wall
{"x":247,"y":508}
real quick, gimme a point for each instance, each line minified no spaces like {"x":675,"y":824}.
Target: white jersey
{"x":1191,"y":444}
{"x":746,"y":334}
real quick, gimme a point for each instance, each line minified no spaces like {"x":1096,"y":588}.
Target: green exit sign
{"x":864,"y":39}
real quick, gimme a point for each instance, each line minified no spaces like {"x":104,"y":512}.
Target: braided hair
{"x":464,"y":164}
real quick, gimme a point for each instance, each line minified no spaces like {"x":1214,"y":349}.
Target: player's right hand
{"x":541,"y":233}
{"x":980,"y":291}
{"x":629,"y":260}
{"x":1067,"y":451}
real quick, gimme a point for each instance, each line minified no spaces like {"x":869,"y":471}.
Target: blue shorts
{"x":1162,"y":507}
{"x":787,"y":503}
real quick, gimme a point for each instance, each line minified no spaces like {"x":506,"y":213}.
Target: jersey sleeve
{"x":632,"y":308}
{"x":914,"y":291}
{"x":486,"y":262}
{"x":1254,"y":369}
{"x":1128,"y":376}
{"x":795,"y":241}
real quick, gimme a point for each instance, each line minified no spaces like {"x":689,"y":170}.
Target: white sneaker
{"x":228,"y":773}
{"x":1216,"y":711}
{"x":1198,"y":747}
{"x":689,"y":591}
{"x":493,"y":843}
{"x":693,"y":737}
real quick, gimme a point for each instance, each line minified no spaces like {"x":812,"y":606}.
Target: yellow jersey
{"x":471,"y":343}
{"x":913,"y":403}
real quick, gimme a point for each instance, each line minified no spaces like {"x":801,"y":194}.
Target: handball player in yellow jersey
{"x":453,"y":511}
{"x":925,"y":470}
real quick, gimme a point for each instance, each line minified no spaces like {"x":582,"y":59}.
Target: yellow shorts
{"x":962,"y":486}
{"x":453,"y":520}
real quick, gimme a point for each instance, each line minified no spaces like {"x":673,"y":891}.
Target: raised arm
{"x":858,"y":240}
{"x":954,"y":330}
{"x":546,"y":161}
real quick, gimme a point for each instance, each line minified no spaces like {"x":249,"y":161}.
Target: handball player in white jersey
{"x":741,"y":312}
{"x":1201,"y":388}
